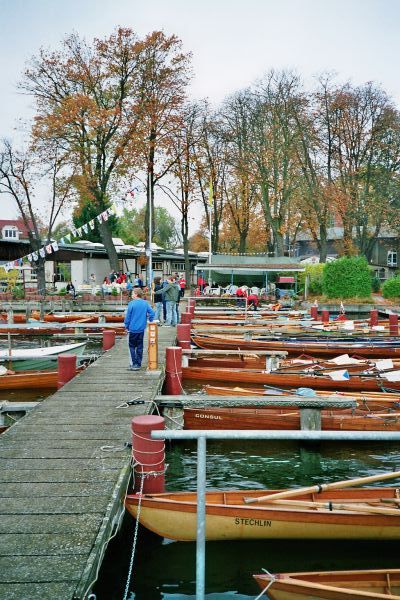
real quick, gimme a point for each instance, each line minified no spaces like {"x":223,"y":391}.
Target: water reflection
{"x":165,"y":569}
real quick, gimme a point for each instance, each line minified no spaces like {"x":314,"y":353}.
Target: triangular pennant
{"x":91,"y":224}
{"x":85,"y":228}
{"x":79,"y":231}
{"x":30,"y":257}
{"x":99,"y":218}
{"x":55,"y":246}
{"x":62,"y":241}
{"x":104,"y":215}
{"x":35,"y":256}
{"x":42,"y":252}
{"x":49,"y":248}
{"x":67,"y":238}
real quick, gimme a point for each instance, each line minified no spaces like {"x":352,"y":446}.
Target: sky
{"x":233,"y":42}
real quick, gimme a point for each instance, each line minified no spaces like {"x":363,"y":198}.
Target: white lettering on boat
{"x":253,"y":522}
{"x":202,"y":416}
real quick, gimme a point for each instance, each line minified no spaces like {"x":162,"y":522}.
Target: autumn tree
{"x":240,"y":188}
{"x":98,"y":100}
{"x":164,"y":75}
{"x":182,"y":189}
{"x":22,"y":176}
{"x":274,"y":149}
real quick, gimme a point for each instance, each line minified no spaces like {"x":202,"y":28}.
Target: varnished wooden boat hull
{"x":269,"y":418}
{"x":73,"y":317}
{"x":29,"y":379}
{"x":287,"y":380}
{"x":173,"y":515}
{"x":333,"y":585}
{"x":323,"y":348}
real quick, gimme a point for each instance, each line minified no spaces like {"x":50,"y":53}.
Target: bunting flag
{"x":54,"y":246}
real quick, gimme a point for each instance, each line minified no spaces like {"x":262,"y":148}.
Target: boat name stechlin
{"x":256,"y":522}
{"x":200,"y":416}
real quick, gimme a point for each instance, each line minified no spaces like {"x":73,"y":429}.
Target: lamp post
{"x":149,"y":269}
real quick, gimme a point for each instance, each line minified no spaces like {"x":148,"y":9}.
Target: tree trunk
{"x":41,"y":276}
{"x":323,"y":243}
{"x":106,"y":238}
{"x":242,"y":241}
{"x":279,"y":243}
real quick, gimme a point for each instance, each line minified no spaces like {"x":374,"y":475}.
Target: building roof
{"x":16,"y":223}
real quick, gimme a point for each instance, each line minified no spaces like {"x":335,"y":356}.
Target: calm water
{"x":165,"y":569}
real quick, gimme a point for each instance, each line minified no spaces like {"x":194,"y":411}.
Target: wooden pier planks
{"x":63,"y":472}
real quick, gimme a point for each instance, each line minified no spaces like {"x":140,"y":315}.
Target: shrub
{"x":314,"y":273}
{"x":62,"y":291}
{"x":18,"y":293}
{"x":391,"y":287}
{"x":347,"y":277}
{"x":114,"y":292}
{"x":375,"y":284}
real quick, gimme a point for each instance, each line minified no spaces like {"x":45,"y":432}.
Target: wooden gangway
{"x":64,"y":469}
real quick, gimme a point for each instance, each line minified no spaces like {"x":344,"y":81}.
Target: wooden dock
{"x":64,"y":470}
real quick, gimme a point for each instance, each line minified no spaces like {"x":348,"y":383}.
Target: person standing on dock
{"x":135,"y":324}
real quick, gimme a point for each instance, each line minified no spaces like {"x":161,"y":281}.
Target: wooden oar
{"x":324,"y":487}
{"x":333,"y":506}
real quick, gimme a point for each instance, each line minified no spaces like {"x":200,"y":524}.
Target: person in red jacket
{"x":182,"y":284}
{"x":253,"y":301}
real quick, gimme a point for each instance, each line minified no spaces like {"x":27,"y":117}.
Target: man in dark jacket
{"x":171,"y":294}
{"x":135,"y":323}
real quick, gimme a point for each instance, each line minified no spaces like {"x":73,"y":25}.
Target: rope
{"x":135,"y":535}
{"x":273,"y":579}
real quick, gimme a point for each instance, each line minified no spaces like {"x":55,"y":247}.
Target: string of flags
{"x":66,"y":239}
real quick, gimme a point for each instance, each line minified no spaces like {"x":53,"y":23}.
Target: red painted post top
{"x":66,"y":368}
{"x":186,"y":318}
{"x":373,"y":317}
{"x":325,"y":316}
{"x":148,"y":454}
{"x":314,"y":313}
{"x":108,"y":339}
{"x":394,"y":324}
{"x":183,"y":335}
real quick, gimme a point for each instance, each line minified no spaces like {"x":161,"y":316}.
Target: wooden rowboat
{"x":288,"y":419}
{"x":74,"y":317}
{"x":29,"y":380}
{"x":332,"y":585}
{"x":352,"y":514}
{"x":290,"y":380}
{"x":38,"y":358}
{"x":375,"y":348}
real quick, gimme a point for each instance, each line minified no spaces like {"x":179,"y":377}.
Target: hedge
{"x":391,"y":287}
{"x":347,"y":277}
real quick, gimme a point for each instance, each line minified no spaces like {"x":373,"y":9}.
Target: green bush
{"x":18,"y":293}
{"x":314,"y":273}
{"x":375,"y":284}
{"x":62,"y":292}
{"x":114,"y":292}
{"x":347,"y":277}
{"x":391,"y":287}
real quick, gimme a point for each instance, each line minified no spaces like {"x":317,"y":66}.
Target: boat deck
{"x":63,"y":471}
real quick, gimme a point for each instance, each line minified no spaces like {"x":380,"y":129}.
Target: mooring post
{"x":153,"y":346}
{"x":325,"y":316}
{"x":373,"y":317}
{"x":183,"y":335}
{"x":310,"y":419}
{"x":108,"y":339}
{"x":148,"y":455}
{"x":394,"y":324}
{"x":173,"y":370}
{"x":66,"y":368}
{"x":186,"y":318}
{"x":314,"y":313}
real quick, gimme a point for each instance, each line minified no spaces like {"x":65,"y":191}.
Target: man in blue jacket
{"x":135,"y":323}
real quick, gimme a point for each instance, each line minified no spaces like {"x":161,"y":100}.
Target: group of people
{"x":167,"y":294}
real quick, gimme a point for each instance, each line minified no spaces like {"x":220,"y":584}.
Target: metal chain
{"x":128,"y":580}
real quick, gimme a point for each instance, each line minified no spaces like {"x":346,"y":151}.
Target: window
{"x":63,"y":272}
{"x":178,"y":266}
{"x":392,"y":258}
{"x":157,"y":265}
{"x":10,"y":233}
